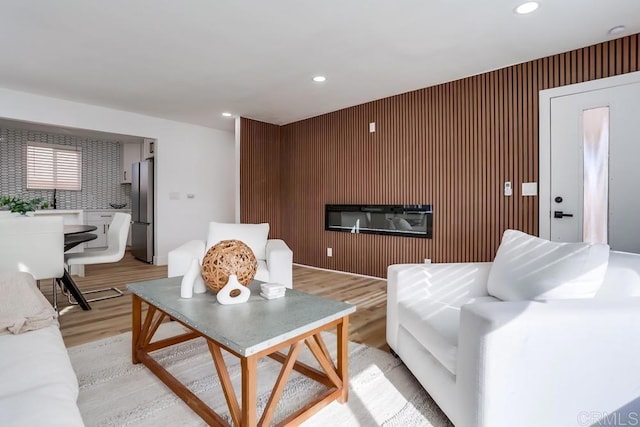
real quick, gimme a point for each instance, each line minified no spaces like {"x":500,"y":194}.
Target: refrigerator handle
{"x":135,"y":192}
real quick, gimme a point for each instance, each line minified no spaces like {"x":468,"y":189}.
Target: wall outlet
{"x":427,"y":260}
{"x":329,"y":251}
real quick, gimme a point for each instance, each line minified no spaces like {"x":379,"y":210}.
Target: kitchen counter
{"x":65,"y":212}
{"x":78,"y":211}
{"x":108,"y":210}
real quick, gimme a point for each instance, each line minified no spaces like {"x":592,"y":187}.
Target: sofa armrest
{"x":531,"y":363}
{"x":280,"y":262}
{"x":448,"y":283}
{"x":180,"y":258}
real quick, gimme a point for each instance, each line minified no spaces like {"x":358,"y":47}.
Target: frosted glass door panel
{"x":595,"y":126}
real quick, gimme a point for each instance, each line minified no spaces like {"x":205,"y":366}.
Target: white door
{"x":595,"y":167}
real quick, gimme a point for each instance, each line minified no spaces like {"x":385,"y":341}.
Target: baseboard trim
{"x":340,"y":272}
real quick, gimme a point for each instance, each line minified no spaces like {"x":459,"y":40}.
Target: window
{"x":52,"y":166}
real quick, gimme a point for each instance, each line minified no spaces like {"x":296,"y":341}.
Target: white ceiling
{"x":190,"y":60}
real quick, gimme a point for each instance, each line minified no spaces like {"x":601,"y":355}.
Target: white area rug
{"x":114,"y":392}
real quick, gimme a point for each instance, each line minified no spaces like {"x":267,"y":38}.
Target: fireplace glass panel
{"x":399,"y":220}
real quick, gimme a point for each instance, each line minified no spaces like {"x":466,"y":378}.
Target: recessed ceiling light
{"x":319,"y":79}
{"x":227,"y":114}
{"x":617,"y":30}
{"x":527,"y":7}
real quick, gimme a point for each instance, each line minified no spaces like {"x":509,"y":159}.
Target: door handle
{"x":560,"y":214}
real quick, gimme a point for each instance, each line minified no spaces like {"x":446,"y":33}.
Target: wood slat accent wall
{"x":260,"y":174}
{"x":452,"y":145}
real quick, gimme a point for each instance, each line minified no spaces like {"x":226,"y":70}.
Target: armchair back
{"x":253,"y":235}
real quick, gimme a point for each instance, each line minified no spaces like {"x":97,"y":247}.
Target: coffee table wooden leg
{"x":325,"y":363}
{"x":153,"y":329}
{"x":225,"y":381}
{"x":249,"y":393}
{"x":343,"y":358}
{"x":278,"y":388}
{"x":323,"y":347}
{"x":136,"y":325}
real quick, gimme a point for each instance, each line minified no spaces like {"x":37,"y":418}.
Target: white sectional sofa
{"x":561,"y":357}
{"x":38,"y":386}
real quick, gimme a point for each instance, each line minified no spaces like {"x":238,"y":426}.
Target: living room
{"x":451,"y":142}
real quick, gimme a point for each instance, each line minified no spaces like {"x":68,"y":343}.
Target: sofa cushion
{"x":435,"y":325}
{"x":254,"y":235}
{"x":37,"y":383}
{"x":530,"y":268}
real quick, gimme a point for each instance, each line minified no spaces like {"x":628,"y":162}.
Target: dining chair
{"x":33,"y":245}
{"x":116,"y":245}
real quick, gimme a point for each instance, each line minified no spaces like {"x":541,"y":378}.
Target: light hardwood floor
{"x":112,"y":317}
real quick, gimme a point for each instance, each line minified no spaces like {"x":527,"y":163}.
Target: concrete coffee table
{"x":250,"y":331}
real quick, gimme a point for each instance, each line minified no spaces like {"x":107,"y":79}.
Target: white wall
{"x":189,"y":159}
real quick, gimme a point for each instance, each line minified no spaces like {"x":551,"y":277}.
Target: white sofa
{"x":275,"y":259}
{"x":544,"y":362}
{"x":38,"y":386}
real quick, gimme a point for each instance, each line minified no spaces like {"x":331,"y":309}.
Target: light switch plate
{"x":529,"y":189}
{"x":372,"y":127}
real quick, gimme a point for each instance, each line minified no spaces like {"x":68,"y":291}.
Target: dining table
{"x":75,"y":234}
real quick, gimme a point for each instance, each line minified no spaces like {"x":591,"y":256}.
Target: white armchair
{"x":534,"y":362}
{"x":275,"y":259}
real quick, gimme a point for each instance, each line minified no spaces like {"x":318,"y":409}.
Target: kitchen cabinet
{"x":102,"y":220}
{"x":130,"y":153}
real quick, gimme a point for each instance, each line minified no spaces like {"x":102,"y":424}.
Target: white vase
{"x":189,"y":278}
{"x":199,"y":287}
{"x":224,"y":294}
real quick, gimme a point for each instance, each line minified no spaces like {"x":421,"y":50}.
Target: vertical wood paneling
{"x":452,"y":145}
{"x":260,"y":174}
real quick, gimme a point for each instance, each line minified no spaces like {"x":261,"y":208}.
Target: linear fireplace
{"x":397,"y":220}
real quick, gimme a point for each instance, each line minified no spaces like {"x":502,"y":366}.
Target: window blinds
{"x":52,"y":166}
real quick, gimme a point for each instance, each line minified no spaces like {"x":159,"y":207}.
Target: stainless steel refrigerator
{"x":142,"y":210}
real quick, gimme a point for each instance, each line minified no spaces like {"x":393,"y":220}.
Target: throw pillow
{"x":530,"y":268}
{"x":23,"y":308}
{"x":253,"y":235}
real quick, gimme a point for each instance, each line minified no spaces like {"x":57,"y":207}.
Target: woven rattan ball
{"x":225,"y":258}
